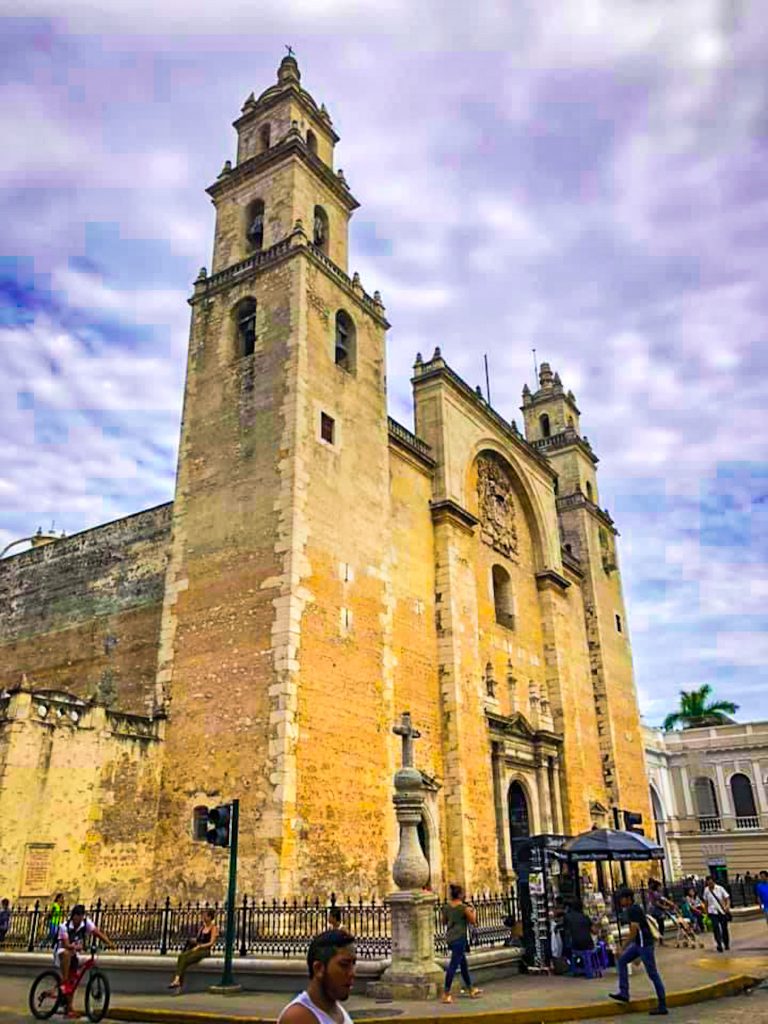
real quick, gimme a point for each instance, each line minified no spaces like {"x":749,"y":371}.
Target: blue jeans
{"x":458,"y":962}
{"x":648,"y":955}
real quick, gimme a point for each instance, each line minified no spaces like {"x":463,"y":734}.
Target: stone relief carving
{"x":497,"y":507}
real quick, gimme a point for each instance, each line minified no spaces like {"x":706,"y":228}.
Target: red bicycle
{"x":50,"y":993}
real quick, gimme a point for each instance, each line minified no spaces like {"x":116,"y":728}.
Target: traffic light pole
{"x":228,"y":984}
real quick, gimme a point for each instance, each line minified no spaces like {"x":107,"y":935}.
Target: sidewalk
{"x":689,"y":975}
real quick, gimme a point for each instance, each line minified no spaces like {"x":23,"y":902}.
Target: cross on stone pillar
{"x":408,"y":734}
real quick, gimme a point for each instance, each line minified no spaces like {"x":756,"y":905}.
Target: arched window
{"x":502,"y":597}
{"x":544,"y":424}
{"x":589,"y":491}
{"x":245,"y":322}
{"x":312,"y":142}
{"x":255,"y":224}
{"x":344,"y":342}
{"x":743,"y":801}
{"x":706,"y":804}
{"x":320,"y":229}
{"x":265,"y":133}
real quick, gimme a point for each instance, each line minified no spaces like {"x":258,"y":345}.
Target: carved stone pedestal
{"x":413,"y":973}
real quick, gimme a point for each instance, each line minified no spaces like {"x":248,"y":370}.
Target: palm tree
{"x":696,"y":710}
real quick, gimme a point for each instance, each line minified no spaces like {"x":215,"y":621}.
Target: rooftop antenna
{"x":487,"y":381}
{"x":535,"y":368}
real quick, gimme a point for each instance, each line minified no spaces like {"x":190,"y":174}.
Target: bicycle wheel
{"x":45,"y":994}
{"x":96,"y":996}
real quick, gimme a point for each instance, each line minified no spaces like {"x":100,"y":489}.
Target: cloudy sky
{"x":586,"y":177}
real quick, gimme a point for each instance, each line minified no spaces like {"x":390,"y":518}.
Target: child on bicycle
{"x":71,"y":939}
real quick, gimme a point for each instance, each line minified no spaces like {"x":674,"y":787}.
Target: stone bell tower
{"x":552,"y":425}
{"x":275,"y":592}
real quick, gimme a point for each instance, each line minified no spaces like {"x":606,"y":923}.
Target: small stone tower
{"x":280,"y":522}
{"x":589,"y":535}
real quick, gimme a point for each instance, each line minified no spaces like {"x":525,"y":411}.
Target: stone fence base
{"x":136,"y":973}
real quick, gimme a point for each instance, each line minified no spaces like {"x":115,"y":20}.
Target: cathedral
{"x":321,"y":570}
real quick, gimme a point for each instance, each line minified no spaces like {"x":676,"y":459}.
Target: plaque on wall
{"x":37,"y":868}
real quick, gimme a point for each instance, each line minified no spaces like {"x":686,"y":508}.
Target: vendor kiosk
{"x":538,"y":868}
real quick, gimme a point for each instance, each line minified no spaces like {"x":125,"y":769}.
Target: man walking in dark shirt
{"x":638,"y":945}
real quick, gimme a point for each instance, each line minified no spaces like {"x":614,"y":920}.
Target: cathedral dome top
{"x":289,"y":78}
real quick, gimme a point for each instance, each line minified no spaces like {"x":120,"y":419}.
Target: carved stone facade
{"x":496,"y":506}
{"x":321,"y":570}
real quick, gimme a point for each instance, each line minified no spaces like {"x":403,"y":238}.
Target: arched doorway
{"x":660,"y":823}
{"x":519,"y":818}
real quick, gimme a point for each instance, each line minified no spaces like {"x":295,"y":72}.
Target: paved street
{"x":751,"y":1009}
{"x":681,"y":969}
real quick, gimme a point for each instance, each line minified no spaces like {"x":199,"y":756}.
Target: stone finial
{"x":526,"y":395}
{"x":513,"y":424}
{"x":571,"y":397}
{"x":437,"y":354}
{"x":249,"y":102}
{"x":226,"y":169}
{"x":479,"y":393}
{"x":298,"y":226}
{"x":377,"y":298}
{"x":419,"y":361}
{"x":342,"y":179}
{"x":288,"y":70}
{"x":202,"y":275}
{"x":546,"y":377}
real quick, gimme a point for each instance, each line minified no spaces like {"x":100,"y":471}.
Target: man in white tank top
{"x":331,"y":961}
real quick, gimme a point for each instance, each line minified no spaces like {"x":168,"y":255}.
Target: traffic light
{"x":217,"y":826}
{"x":633,"y":822}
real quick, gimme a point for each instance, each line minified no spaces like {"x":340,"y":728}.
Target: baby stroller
{"x":685,"y":936}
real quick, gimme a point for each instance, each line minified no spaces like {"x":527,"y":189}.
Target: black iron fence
{"x":278,"y":929}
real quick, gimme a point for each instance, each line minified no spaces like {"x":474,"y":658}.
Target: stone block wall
{"x":78,"y":798}
{"x":82,"y":614}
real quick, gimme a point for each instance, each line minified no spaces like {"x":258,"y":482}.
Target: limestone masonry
{"x":321,"y":570}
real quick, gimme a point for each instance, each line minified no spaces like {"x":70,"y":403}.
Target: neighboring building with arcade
{"x":709,"y":791}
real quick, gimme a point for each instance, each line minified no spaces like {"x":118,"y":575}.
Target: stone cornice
{"x":286,"y":248}
{"x":266,"y":102}
{"x":448,"y":511}
{"x":293,"y":145}
{"x":569,"y":502}
{"x":564,"y":441}
{"x":437,"y":369}
{"x":545,"y":395}
{"x":518,"y":727}
{"x":549,"y":578}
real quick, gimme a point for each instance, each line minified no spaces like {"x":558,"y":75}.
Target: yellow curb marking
{"x":531,"y":1015}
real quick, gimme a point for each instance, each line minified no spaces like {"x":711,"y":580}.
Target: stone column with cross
{"x":413,"y":973}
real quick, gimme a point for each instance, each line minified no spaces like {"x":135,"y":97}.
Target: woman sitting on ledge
{"x":199,"y":948}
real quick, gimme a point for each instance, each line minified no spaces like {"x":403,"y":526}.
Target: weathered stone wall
{"x":345,"y":694}
{"x":222,"y":664}
{"x":83,"y":614}
{"x":78,"y":798}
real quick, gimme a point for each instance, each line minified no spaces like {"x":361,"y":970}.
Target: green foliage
{"x":696,"y":710}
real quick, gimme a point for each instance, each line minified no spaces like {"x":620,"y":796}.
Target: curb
{"x":535,"y":1015}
